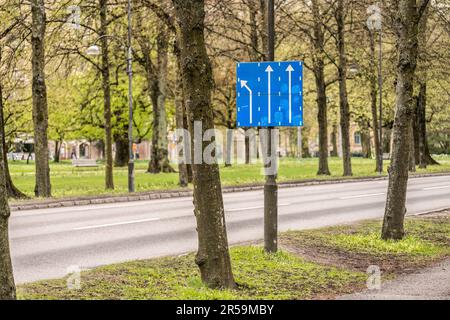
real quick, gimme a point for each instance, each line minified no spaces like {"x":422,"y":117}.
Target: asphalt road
{"x":45,"y":243}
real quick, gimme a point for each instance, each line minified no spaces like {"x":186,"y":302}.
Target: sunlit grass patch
{"x":259,"y":276}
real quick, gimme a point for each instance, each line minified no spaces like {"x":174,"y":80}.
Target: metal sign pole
{"x":270,"y":186}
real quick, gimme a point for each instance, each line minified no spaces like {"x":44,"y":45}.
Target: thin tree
{"x":343,"y":96}
{"x":7,"y":286}
{"x":406,"y":24}
{"x":423,"y":157}
{"x":12,"y":190}
{"x":40,"y":107}
{"x":213,"y":256}
{"x":106,"y":86}
{"x":318,"y":42}
{"x":159,"y":160}
{"x":373,"y":102}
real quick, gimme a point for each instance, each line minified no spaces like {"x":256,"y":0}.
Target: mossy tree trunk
{"x":319,"y":76}
{"x":39,"y":93}
{"x":7,"y":286}
{"x":406,"y":27}
{"x":343,"y":96}
{"x":213,"y":256}
{"x":11,"y":189}
{"x":106,"y":87}
{"x":373,"y":105}
{"x":159,"y":161}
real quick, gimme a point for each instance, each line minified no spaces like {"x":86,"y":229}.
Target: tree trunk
{"x":7,"y":286}
{"x":122,"y":154}
{"x":412,"y":149}
{"x":424,"y":156}
{"x":229,"y":148}
{"x":373,"y":103}
{"x":365,"y":141}
{"x":334,"y":138}
{"x":13,"y":192}
{"x":180,"y":111}
{"x":106,"y":86}
{"x":406,"y":29}
{"x":299,"y":143}
{"x":319,"y":75}
{"x":343,"y":98}
{"x":213,"y":256}
{"x":160,"y":155}
{"x":57,"y":151}
{"x":40,"y":108}
{"x":263,"y":31}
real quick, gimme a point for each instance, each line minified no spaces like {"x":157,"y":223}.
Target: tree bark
{"x":7,"y":286}
{"x":11,"y":189}
{"x":406,"y":29}
{"x":122,"y":154}
{"x":229,"y":148}
{"x":213,"y":256}
{"x":424,"y":157}
{"x":343,"y":98}
{"x":365,"y":143}
{"x":180,"y":112}
{"x":334,"y":137}
{"x":40,"y":107}
{"x":263,"y":31}
{"x":412,"y":148}
{"x":160,"y":155}
{"x":319,"y":75}
{"x":106,"y":86}
{"x":373,"y":104}
{"x":57,"y":151}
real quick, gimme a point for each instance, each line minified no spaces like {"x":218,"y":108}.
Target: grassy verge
{"x":69,"y":181}
{"x":358,"y":246}
{"x":313,"y":264}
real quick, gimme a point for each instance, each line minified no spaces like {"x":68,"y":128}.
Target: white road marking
{"x":115,"y":224}
{"x":436,"y":188}
{"x":255,"y":208}
{"x":362,"y":196}
{"x":91,"y":207}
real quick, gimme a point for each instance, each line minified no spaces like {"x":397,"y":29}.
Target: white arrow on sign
{"x":290,"y":70}
{"x":244,"y":85}
{"x":269,"y":70}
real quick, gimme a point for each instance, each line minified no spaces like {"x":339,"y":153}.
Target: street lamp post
{"x":374,"y":23}
{"x":94,"y":50}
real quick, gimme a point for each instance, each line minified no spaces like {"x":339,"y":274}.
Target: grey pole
{"x":270,"y":186}
{"x":130,"y":105}
{"x":380,"y":84}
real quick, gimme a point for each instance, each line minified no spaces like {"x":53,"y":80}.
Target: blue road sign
{"x":269,"y":94}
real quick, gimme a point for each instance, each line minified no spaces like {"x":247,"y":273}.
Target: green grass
{"x":69,"y":181}
{"x":284,"y":275}
{"x":425,"y":240}
{"x":259,"y":275}
{"x":373,"y":244}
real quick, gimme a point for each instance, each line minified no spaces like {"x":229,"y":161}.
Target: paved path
{"x":428,"y":284}
{"x":46,"y":242}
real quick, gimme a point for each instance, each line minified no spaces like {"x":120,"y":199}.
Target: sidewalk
{"x":427,"y":284}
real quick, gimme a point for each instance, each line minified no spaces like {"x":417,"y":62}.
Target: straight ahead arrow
{"x":269,"y":70}
{"x":290,"y":70}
